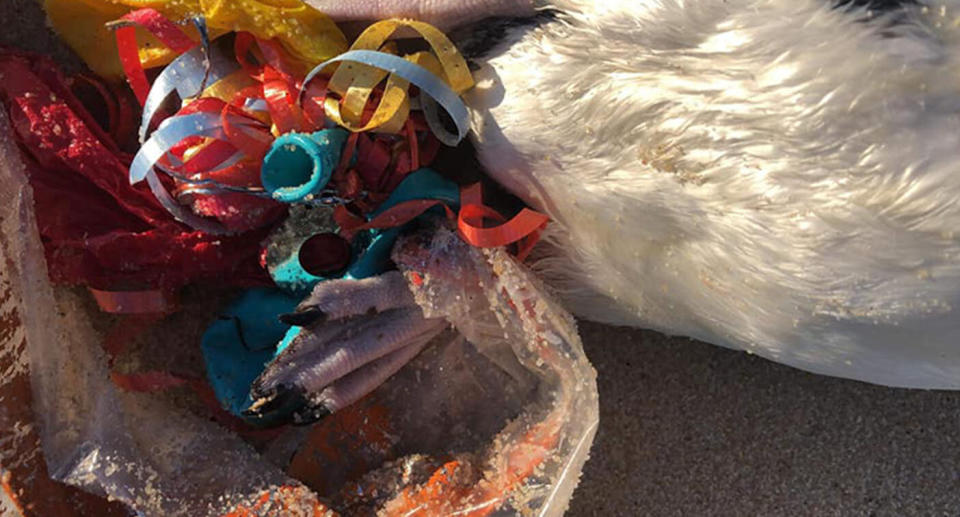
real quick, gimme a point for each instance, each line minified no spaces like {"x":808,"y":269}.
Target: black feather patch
{"x":476,"y":40}
{"x":876,"y":5}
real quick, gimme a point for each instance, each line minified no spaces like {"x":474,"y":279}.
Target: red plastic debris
{"x":160,"y":26}
{"x":97,"y":229}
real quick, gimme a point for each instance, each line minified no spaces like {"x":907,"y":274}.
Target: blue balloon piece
{"x":421,"y":184}
{"x":237,"y":346}
{"x":299,"y":164}
{"x":371,"y":248}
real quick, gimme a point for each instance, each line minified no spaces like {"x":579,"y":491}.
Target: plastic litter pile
{"x":257,"y":158}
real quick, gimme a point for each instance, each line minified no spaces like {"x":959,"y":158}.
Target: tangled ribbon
{"x":235,"y":107}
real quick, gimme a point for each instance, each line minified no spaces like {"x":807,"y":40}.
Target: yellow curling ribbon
{"x":309,"y":35}
{"x":225,"y":89}
{"x":355,"y":82}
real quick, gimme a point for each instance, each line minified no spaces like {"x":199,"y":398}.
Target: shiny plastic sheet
{"x":134,"y":448}
{"x":495,"y":417}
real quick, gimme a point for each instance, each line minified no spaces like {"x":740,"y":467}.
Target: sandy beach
{"x":688,"y":428}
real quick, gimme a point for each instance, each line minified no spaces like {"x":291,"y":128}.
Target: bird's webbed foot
{"x":356,"y":334}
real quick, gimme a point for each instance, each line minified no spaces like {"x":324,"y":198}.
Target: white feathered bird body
{"x":777,"y":176}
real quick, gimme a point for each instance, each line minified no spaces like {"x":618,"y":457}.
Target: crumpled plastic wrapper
{"x":495,"y":417}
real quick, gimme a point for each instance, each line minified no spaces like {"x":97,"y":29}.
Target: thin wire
{"x":201,"y":23}
{"x":327,"y":197}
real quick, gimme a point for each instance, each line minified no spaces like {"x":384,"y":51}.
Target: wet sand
{"x":693,"y":429}
{"x":688,"y":428}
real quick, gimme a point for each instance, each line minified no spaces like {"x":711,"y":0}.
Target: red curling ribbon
{"x":238,"y":126}
{"x":276,"y":57}
{"x":279,"y":86}
{"x":312,"y":104}
{"x":255,"y":144}
{"x":181,"y":148}
{"x":146,"y":382}
{"x":414,"y":145}
{"x":524,"y":228}
{"x":168,"y":32}
{"x":218,"y":161}
{"x":395,"y":216}
{"x":280,"y":95}
{"x":346,"y":155}
{"x":163,"y":29}
{"x":203,"y":104}
{"x":249,"y":92}
{"x":526,"y":245}
{"x":245,"y":173}
{"x":153,"y":301}
{"x":238,"y":103}
{"x":208,"y":158}
{"x":242,"y":45}
{"x":130,"y":61}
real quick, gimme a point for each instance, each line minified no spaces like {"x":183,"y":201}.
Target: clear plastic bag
{"x":495,"y":417}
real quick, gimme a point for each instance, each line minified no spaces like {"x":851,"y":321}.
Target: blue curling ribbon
{"x":432,"y":116}
{"x":188,"y":75}
{"x":201,"y":24}
{"x":256,"y":105}
{"x":171,"y":132}
{"x":429,"y":85}
{"x":229,"y":162}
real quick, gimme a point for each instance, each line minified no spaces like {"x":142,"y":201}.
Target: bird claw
{"x":356,"y":334}
{"x":291,"y":402}
{"x":305,"y":318}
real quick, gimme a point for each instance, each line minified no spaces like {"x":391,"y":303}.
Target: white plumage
{"x":779,"y":176}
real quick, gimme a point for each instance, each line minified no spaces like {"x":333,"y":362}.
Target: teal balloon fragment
{"x":371,"y":248}
{"x":238,"y":345}
{"x":421,"y":184}
{"x":299,"y":165}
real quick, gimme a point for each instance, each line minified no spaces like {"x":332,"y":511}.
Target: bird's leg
{"x":445,"y":14}
{"x":338,"y":299}
{"x":356,"y":334}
